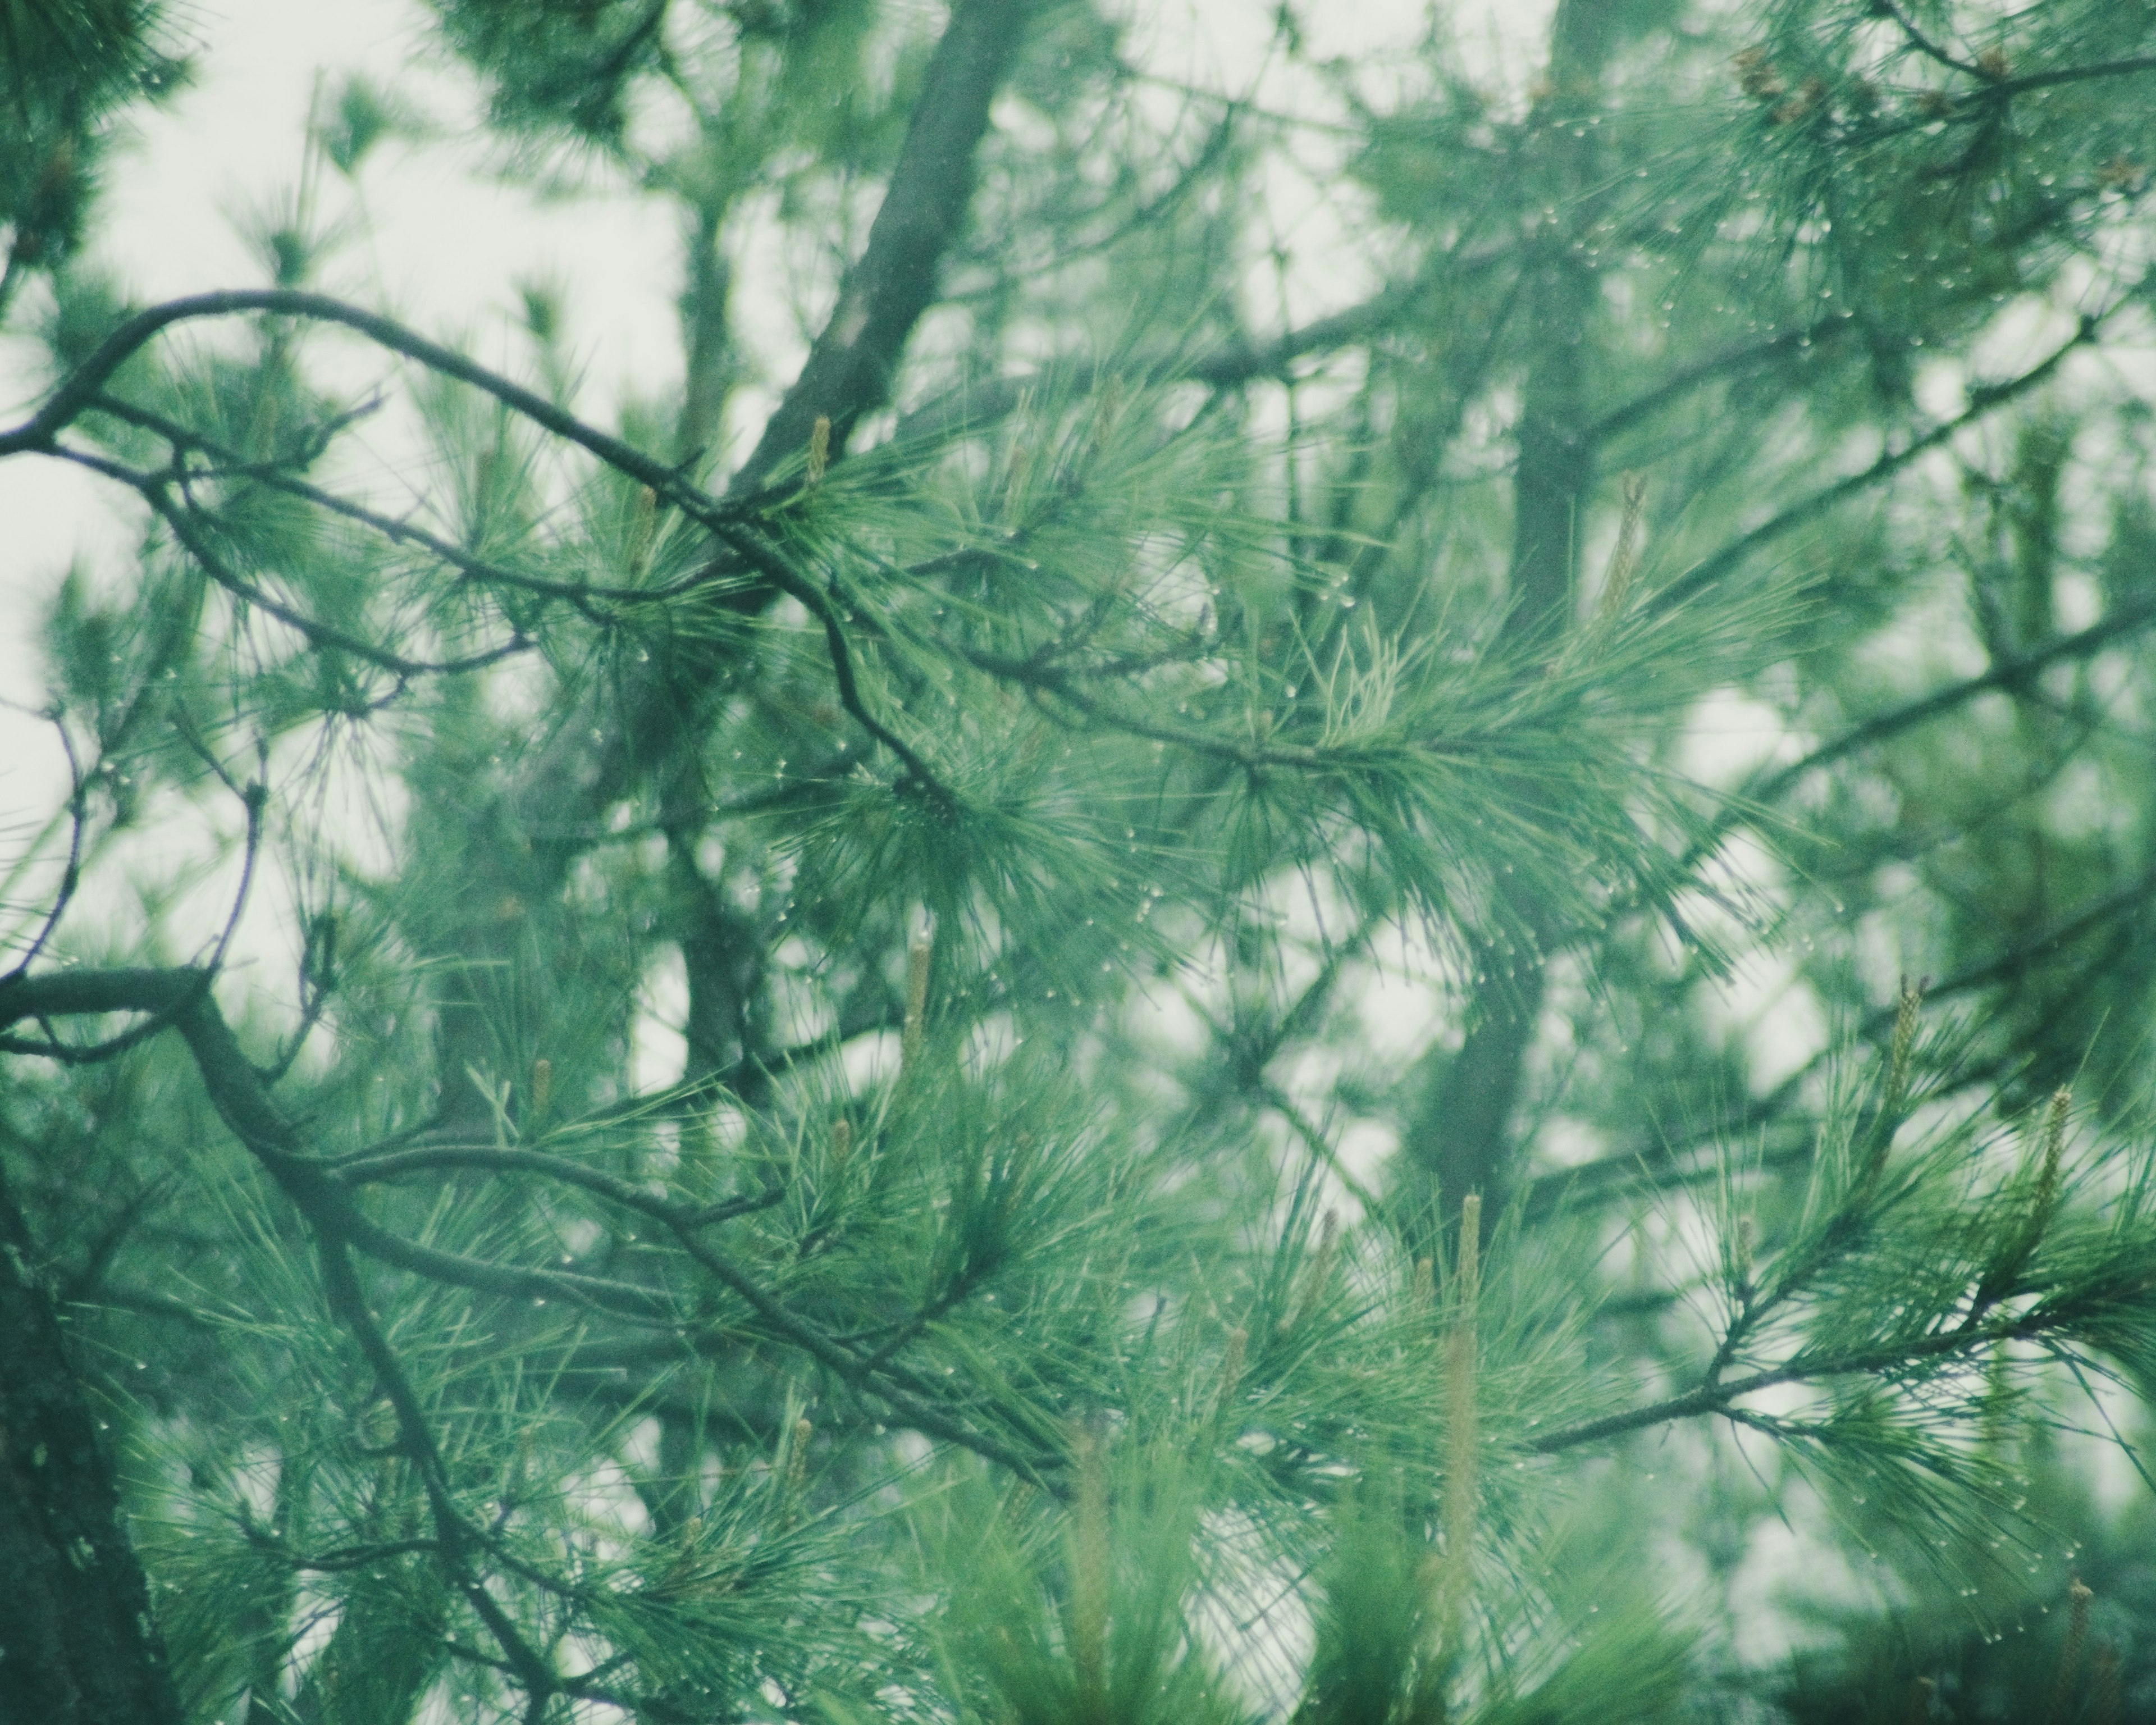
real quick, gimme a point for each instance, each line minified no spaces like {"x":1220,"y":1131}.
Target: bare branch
{"x":1658,"y":1164}
{"x":1733,"y":362}
{"x":1975,"y":1340}
{"x":1924,"y":44}
{"x":767,"y":560}
{"x":155,"y":489}
{"x":456,"y":1538}
{"x":78,"y":391}
{"x":272,"y":475}
{"x":2008,"y":673}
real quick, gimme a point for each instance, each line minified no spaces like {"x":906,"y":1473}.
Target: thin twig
{"x":1924,"y":44}
{"x":78,"y":806}
{"x":1984,"y":399}
{"x":367,"y":1170}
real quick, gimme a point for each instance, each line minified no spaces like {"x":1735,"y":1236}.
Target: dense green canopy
{"x":1377,"y":970}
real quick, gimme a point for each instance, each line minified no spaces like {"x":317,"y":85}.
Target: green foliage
{"x":1099,"y":1041}
{"x":69,"y":67}
{"x":573,"y":62}
{"x":1103,"y":1634}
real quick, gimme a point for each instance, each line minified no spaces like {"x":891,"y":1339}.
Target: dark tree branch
{"x":155,"y":489}
{"x":1984,"y":400}
{"x":851,"y":1368}
{"x":1067,"y":687}
{"x":2126,"y":68}
{"x":1733,"y":362}
{"x":271,"y":474}
{"x":489,"y":1159}
{"x":181,"y":997}
{"x":1659,"y":1165}
{"x":1239,"y":362}
{"x":977,"y":404}
{"x":339,"y":1559}
{"x":849,"y":369}
{"x":85,"y":390}
{"x":1975,"y":1341}
{"x":2012,"y":673}
{"x":1981,"y":105}
{"x":71,"y":873}
{"x":458,"y":1541}
{"x":1924,"y":44}
{"x":78,"y":391}
{"x":761,"y":554}
{"x":78,"y":1645}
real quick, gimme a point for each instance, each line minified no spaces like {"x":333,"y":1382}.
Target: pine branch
{"x":979,"y":403}
{"x":1657,"y":1165}
{"x":1924,"y":44}
{"x":181,"y":997}
{"x":1982,"y":106}
{"x":1984,"y":401}
{"x":1969,"y":1343}
{"x":78,"y":393}
{"x":1733,"y":362}
{"x":391,"y":1165}
{"x":457,"y":1542}
{"x":156,"y":489}
{"x":273,"y":476}
{"x":2012,"y":672}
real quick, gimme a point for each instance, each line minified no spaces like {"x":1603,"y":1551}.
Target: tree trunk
{"x":1460,"y":1135}
{"x":77,"y":1643}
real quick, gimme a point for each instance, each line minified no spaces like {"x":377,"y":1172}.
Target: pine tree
{"x":1219,"y":1164}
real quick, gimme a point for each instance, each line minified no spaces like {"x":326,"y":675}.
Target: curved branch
{"x":78,"y":393}
{"x":71,"y":876}
{"x":1924,"y":44}
{"x":1659,"y":1165}
{"x":1728,"y":363}
{"x":490,"y":1159}
{"x":2007,"y":673}
{"x":1972,"y":1339}
{"x":1980,"y":104}
{"x":851,"y":1367}
{"x":766,"y":558}
{"x":156,"y":490}
{"x":457,"y":1539}
{"x":975,"y":405}
{"x":247,"y":1108}
{"x":399,"y":532}
{"x":1983,"y":400}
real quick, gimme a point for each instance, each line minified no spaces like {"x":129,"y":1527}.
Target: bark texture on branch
{"x":850,"y":368}
{"x":78,"y":1645}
